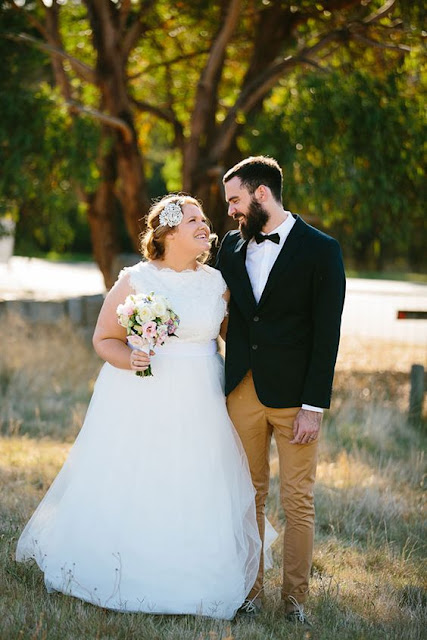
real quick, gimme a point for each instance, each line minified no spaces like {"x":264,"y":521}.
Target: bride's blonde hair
{"x":153,"y":239}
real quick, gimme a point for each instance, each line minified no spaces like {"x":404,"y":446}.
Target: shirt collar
{"x":283,"y":229}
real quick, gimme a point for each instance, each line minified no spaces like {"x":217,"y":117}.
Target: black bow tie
{"x":274,"y":237}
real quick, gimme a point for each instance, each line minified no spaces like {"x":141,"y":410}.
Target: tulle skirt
{"x":153,"y":510}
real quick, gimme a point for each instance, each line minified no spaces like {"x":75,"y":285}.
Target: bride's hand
{"x":139,"y":360}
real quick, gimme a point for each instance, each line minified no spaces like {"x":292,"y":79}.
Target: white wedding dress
{"x":153,"y":510}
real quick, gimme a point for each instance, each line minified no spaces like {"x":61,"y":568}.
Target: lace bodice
{"x":196,"y":296}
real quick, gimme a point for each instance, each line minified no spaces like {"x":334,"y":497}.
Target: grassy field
{"x":369,"y":572}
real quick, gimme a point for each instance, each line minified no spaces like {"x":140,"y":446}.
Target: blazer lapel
{"x":291,"y":246}
{"x":243,"y":284}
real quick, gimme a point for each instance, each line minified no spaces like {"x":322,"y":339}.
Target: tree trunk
{"x":102,"y":215}
{"x":122,"y":179}
{"x":130,"y":187}
{"x":209,"y":189}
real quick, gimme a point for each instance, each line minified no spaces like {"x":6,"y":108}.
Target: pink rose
{"x":149,"y":329}
{"x":136,"y":341}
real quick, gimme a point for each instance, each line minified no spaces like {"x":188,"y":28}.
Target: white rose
{"x":124,"y":320}
{"x":145,"y":314}
{"x":159,"y":307}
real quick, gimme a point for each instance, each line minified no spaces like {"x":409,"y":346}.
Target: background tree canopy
{"x":107,"y":104}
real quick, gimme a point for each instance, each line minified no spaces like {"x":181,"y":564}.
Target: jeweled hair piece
{"x":171,"y":215}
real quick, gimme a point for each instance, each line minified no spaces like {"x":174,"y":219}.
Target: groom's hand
{"x":306,"y":426}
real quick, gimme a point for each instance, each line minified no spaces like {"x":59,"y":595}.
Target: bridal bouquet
{"x":148,"y":320}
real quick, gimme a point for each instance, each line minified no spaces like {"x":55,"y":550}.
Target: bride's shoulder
{"x":139,"y":267}
{"x":135,"y":273}
{"x":215,"y":276}
{"x":209,"y":271}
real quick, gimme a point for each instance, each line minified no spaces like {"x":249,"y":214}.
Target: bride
{"x":153,"y":510}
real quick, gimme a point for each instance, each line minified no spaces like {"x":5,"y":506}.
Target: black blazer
{"x":290,"y":338}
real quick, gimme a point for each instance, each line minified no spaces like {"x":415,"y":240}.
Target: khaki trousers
{"x":255,"y":424}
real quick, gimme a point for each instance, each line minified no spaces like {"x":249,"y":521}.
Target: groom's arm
{"x":327,"y":306}
{"x":220,"y":255}
{"x":223,"y":250}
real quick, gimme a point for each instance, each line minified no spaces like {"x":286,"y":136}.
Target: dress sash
{"x":175,"y":348}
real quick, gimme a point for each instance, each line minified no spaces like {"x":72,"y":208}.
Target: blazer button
{"x":256,"y":318}
{"x":254,"y":347}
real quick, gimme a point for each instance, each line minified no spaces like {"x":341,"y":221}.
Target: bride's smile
{"x":192,"y":236}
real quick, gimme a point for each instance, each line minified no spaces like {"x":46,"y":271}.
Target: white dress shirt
{"x":260,"y":259}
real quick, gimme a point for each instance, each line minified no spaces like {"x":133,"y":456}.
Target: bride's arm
{"x":109,"y":338}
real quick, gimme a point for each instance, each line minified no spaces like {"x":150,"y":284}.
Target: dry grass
{"x":369,"y":570}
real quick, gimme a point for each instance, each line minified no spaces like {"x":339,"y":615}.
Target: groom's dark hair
{"x":255,"y":171}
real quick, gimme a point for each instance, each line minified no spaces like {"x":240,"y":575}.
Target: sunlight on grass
{"x":46,"y":379}
{"x":346,"y":472}
{"x":361,"y":355}
{"x":30,"y":460}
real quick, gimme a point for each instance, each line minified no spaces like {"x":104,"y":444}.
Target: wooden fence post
{"x":416,"y":395}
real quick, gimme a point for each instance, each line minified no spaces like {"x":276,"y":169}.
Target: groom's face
{"x":245,"y":209}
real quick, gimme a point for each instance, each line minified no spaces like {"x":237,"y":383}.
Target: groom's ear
{"x":262,"y":193}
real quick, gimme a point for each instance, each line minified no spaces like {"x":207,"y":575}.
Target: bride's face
{"x":192,"y":234}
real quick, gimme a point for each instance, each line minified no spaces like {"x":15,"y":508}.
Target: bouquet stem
{"x":144,"y":374}
{"x":146,"y":349}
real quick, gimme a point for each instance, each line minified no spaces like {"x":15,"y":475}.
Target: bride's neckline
{"x":170,"y":270}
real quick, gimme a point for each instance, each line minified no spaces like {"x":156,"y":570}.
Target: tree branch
{"x":205,"y":98}
{"x":258,"y":88}
{"x":135,"y":31}
{"x":81,"y":69}
{"x":396,"y":24}
{"x":151,"y":108}
{"x":131,"y":38}
{"x":124,"y":14}
{"x":381,"y":45}
{"x":164,"y":114}
{"x":54,"y":39}
{"x":218,"y":48}
{"x":167,"y":63}
{"x":30,"y":18}
{"x":383,"y":11}
{"x":110,"y":121}
{"x":313,"y":63}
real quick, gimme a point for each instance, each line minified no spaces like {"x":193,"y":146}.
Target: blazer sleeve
{"x":220,"y":257}
{"x":327,"y":306}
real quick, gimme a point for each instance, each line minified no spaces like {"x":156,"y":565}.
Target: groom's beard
{"x":256,"y":219}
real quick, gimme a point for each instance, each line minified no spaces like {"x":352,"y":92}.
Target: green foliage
{"x":51,"y":153}
{"x":43,"y":152}
{"x":350,"y":145}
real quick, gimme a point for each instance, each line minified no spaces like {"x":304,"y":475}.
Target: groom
{"x":287,"y":287}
